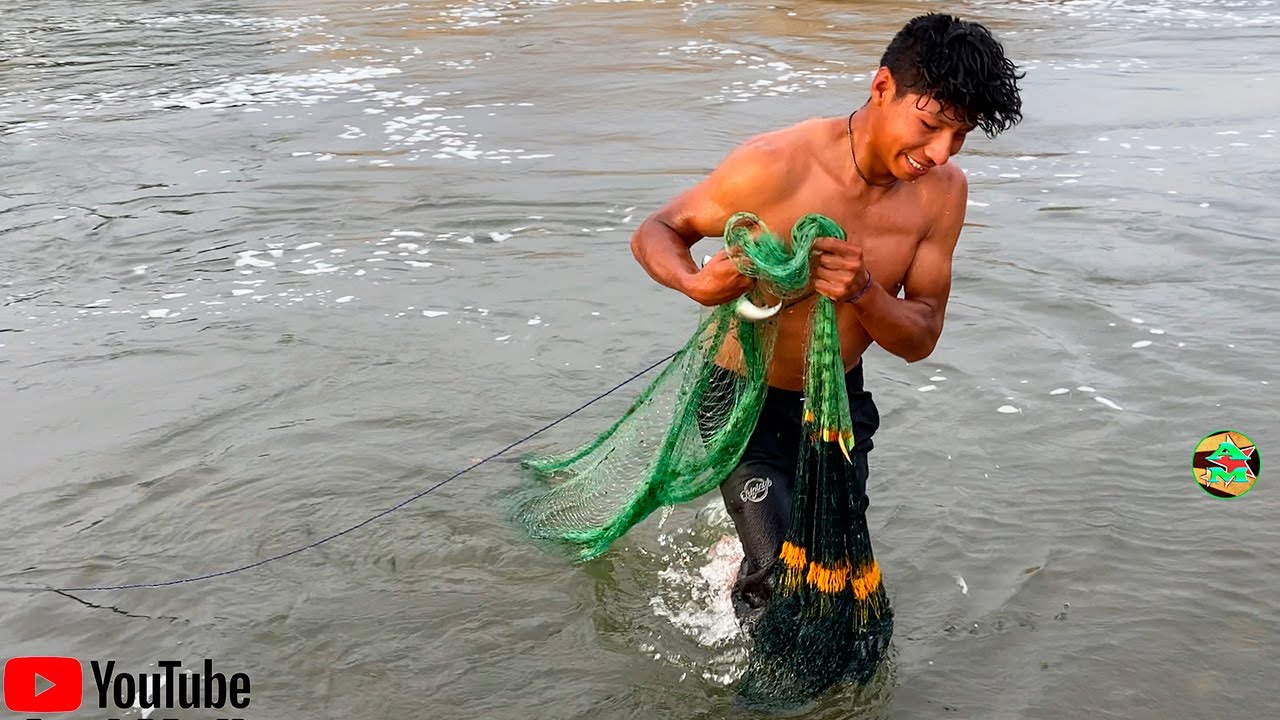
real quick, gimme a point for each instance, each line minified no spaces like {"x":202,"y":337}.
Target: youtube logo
{"x":43,"y":684}
{"x":49,"y":684}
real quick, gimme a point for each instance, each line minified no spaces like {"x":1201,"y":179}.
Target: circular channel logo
{"x":1226,"y":464}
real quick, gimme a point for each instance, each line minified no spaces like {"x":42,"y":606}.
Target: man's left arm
{"x":909,"y":327}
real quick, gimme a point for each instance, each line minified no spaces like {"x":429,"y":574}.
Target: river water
{"x":270,"y":268}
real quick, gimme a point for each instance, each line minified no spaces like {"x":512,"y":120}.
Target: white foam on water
{"x":937,"y":378}
{"x":1108,"y":403}
{"x":535,"y":320}
{"x":433,"y":313}
{"x":305,"y":88}
{"x":1007,"y":409}
{"x":345,"y":299}
{"x":697,"y":599}
{"x":1086,"y":388}
{"x":764,"y":78}
{"x":503,"y":338}
{"x":241,"y":291}
{"x":158,"y":313}
{"x":247,"y":257}
{"x":1138,"y":320}
{"x":927,"y":388}
{"x":1059,"y":391}
{"x":1141,"y":344}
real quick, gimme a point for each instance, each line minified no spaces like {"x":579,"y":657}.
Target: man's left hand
{"x":836,"y":268}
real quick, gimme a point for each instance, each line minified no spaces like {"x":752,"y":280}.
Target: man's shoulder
{"x":774,"y":155}
{"x":784,"y":150}
{"x":796,"y":137}
{"x":945,"y":199}
{"x":947,"y":188}
{"x":951,"y":179}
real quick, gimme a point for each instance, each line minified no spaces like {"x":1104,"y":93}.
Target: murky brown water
{"x":268,"y":268}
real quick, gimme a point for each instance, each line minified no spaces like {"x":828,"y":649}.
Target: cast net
{"x":687,"y":431}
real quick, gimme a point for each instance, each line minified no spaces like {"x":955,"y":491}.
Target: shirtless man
{"x":881,"y":173}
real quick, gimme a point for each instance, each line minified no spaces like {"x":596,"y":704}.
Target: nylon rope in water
{"x":357,"y":526}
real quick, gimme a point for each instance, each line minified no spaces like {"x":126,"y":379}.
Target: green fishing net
{"x":829,"y":619}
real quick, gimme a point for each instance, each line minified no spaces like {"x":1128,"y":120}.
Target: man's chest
{"x":887,"y":232}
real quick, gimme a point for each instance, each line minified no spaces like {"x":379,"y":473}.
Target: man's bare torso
{"x":889,"y":222}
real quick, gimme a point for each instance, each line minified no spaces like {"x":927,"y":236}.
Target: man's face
{"x":919,"y":133}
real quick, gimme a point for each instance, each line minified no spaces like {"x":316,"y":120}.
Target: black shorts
{"x":757,"y":493}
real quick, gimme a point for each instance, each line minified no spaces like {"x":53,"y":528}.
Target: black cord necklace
{"x":854,"y":153}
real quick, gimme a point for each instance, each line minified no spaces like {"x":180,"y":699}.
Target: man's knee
{"x":753,"y":486}
{"x":758,"y":499}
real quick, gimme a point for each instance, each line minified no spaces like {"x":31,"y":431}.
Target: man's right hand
{"x":718,"y":282}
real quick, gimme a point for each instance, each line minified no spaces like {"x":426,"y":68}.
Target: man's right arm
{"x":752,"y":178}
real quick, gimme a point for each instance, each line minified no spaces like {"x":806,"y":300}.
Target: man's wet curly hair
{"x":959,"y":64}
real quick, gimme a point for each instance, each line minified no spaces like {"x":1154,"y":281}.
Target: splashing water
{"x":694,"y":596}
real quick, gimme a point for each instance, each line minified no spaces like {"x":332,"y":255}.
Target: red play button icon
{"x":43,"y":684}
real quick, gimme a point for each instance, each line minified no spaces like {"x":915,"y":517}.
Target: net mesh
{"x":829,"y":619}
